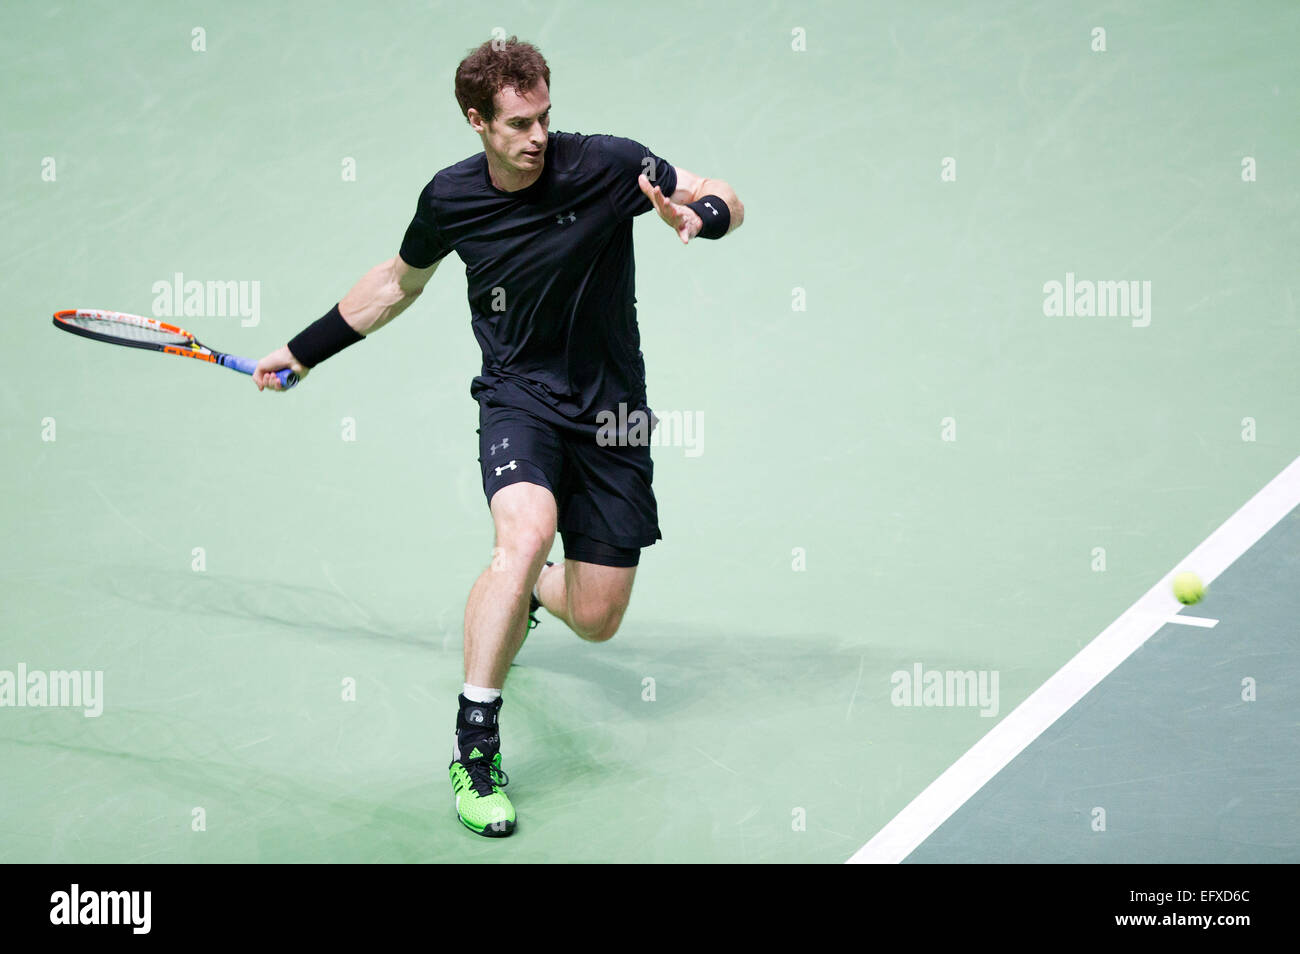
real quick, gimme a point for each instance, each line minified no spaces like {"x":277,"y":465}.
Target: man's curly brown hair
{"x":494,"y":66}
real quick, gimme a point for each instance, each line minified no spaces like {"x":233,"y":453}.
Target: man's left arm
{"x":693,"y":208}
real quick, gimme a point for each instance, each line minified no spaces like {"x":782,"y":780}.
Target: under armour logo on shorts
{"x":505,"y":442}
{"x":509,"y":466}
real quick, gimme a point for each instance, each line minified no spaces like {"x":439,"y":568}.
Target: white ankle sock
{"x":479,"y":694}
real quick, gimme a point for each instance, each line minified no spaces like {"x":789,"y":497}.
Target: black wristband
{"x":715,"y":215}
{"x":323,"y":338}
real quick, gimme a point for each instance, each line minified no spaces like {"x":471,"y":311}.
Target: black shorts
{"x":606,"y":508}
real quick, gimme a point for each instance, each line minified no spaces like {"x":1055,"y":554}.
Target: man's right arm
{"x":381,"y":295}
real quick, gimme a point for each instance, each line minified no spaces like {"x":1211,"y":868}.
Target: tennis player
{"x":543,"y":222}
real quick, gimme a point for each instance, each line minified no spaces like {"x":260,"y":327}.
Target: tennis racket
{"x":134,"y":331}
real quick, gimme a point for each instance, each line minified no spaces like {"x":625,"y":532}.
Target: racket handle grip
{"x":247,"y":366}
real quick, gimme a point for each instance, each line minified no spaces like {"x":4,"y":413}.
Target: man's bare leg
{"x":590,"y":599}
{"x":497,"y":610}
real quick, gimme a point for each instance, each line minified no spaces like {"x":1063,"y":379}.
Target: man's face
{"x":517,"y":135}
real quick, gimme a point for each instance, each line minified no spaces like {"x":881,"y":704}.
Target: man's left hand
{"x":684,"y":220}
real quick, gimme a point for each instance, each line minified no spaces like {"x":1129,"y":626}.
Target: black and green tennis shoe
{"x":477,"y":778}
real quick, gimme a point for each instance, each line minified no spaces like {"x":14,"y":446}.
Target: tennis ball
{"x":1188,"y":588}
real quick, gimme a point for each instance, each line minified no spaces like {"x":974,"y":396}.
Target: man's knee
{"x":524,"y":515}
{"x":521,"y":547}
{"x":599,"y":623}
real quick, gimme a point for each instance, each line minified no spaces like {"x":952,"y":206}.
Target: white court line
{"x":1202,"y":621}
{"x":1076,"y":678}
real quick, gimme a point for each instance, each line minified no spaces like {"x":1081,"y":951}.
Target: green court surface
{"x":904,"y":461}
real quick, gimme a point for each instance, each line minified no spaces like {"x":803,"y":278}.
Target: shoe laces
{"x":483,"y":775}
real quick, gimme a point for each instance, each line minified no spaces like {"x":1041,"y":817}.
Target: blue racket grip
{"x":247,"y":366}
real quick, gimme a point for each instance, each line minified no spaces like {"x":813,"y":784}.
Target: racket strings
{"x":125,"y":331}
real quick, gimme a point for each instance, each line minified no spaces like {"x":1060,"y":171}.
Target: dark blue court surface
{"x":1184,"y":768}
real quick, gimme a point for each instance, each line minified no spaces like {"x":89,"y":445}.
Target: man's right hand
{"x":277,"y":360}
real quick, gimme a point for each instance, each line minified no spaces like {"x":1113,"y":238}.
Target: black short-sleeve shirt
{"x":550,"y":269}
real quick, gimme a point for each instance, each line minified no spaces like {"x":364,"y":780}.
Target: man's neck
{"x":512,"y":180}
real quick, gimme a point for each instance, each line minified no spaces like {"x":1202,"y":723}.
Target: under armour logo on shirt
{"x":509,"y":466}
{"x":571,"y":217}
{"x":505,"y":442}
